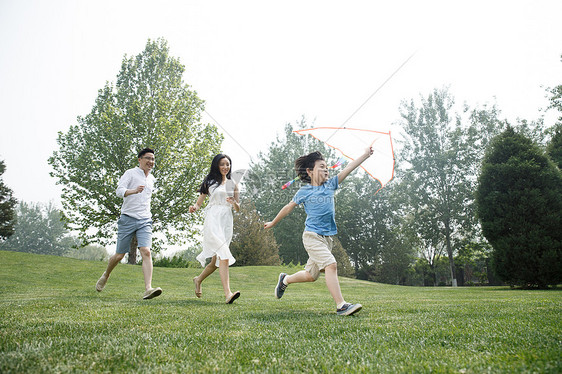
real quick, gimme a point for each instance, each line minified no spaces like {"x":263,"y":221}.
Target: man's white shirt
{"x":136,"y":205}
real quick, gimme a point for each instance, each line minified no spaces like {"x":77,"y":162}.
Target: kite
{"x":351,"y":142}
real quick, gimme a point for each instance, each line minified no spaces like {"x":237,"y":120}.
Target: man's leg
{"x":147,"y":272}
{"x":146,"y":267}
{"x":111,"y":264}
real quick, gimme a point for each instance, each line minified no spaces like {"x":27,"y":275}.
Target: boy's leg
{"x":333,"y":284}
{"x":285,"y":279}
{"x":299,"y":277}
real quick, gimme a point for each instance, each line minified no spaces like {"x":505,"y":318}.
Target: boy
{"x":318,"y":200}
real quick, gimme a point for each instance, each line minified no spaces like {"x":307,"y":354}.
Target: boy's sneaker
{"x":280,"y":288}
{"x":348,"y":309}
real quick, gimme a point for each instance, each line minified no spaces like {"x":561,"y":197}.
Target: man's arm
{"x":122,"y":190}
{"x":282,"y":214}
{"x":354,"y":164}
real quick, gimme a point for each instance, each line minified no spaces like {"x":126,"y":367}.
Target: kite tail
{"x":340,"y":161}
{"x":289,"y":183}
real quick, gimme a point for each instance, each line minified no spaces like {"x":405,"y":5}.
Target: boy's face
{"x":319,"y":174}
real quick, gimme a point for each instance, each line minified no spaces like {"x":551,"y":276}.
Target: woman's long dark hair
{"x":214,"y":175}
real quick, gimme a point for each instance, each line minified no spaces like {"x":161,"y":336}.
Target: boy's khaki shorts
{"x":319,"y":250}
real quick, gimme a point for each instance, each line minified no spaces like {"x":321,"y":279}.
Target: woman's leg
{"x":225,"y":279}
{"x":208,"y":270}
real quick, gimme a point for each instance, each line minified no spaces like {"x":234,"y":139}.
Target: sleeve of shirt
{"x":299,"y":197}
{"x":122,"y":185}
{"x":333,"y":183}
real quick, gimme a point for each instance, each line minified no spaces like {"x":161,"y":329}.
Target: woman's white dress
{"x":217,"y":228}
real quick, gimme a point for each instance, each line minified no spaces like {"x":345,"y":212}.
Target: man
{"x":135,"y":187}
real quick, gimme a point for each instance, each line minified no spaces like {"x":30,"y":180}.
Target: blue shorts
{"x":127,"y":227}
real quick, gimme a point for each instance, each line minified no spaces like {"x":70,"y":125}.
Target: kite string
{"x":373,"y":94}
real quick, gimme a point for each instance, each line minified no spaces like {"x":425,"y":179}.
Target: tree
{"x":363,"y":219}
{"x":251,"y":244}
{"x":92,"y":252}
{"x":345,"y":269}
{"x":149,"y":106}
{"x":554,"y":148}
{"x":438,"y":157}
{"x":519,"y":200}
{"x":40,"y":229}
{"x":7,"y":207}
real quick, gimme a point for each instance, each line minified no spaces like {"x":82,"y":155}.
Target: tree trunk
{"x":133,"y":251}
{"x":450,"y":253}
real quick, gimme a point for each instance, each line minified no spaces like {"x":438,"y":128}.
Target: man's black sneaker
{"x":348,"y":309}
{"x":280,"y":288}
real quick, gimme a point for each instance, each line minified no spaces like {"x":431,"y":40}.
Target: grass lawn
{"x":53,"y":320}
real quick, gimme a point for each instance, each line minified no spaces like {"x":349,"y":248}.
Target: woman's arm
{"x":235,"y":201}
{"x":198,"y":204}
{"x":282,"y":214}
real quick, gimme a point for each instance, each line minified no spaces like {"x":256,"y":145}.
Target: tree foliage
{"x":7,"y":207}
{"x":251,"y":244}
{"x":41,"y":230}
{"x":345,"y":269}
{"x":519,"y":199}
{"x":91,"y":252}
{"x":149,"y":106}
{"x":554,"y":148}
{"x":441,"y":159}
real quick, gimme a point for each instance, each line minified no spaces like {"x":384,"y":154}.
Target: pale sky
{"x":261,"y":64}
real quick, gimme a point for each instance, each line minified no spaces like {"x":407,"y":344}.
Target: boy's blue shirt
{"x":319,"y":206}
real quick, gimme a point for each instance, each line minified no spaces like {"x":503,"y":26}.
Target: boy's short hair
{"x":145,"y":151}
{"x":306,"y":162}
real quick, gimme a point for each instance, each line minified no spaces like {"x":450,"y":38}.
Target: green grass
{"x":52,"y":320}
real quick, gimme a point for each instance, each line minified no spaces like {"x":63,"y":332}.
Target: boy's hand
{"x":193,"y":208}
{"x":268,"y":225}
{"x":369,"y":152}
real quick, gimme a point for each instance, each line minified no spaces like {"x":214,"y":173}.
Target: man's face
{"x":146,"y":162}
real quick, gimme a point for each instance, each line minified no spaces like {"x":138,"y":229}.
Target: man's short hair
{"x":145,"y":151}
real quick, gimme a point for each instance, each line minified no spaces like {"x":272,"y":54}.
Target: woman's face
{"x":224,"y":166}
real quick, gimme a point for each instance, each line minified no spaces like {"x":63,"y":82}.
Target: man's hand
{"x":268,"y":225}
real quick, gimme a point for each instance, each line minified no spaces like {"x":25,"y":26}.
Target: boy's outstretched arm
{"x":354,"y":164}
{"x":282,"y":214}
